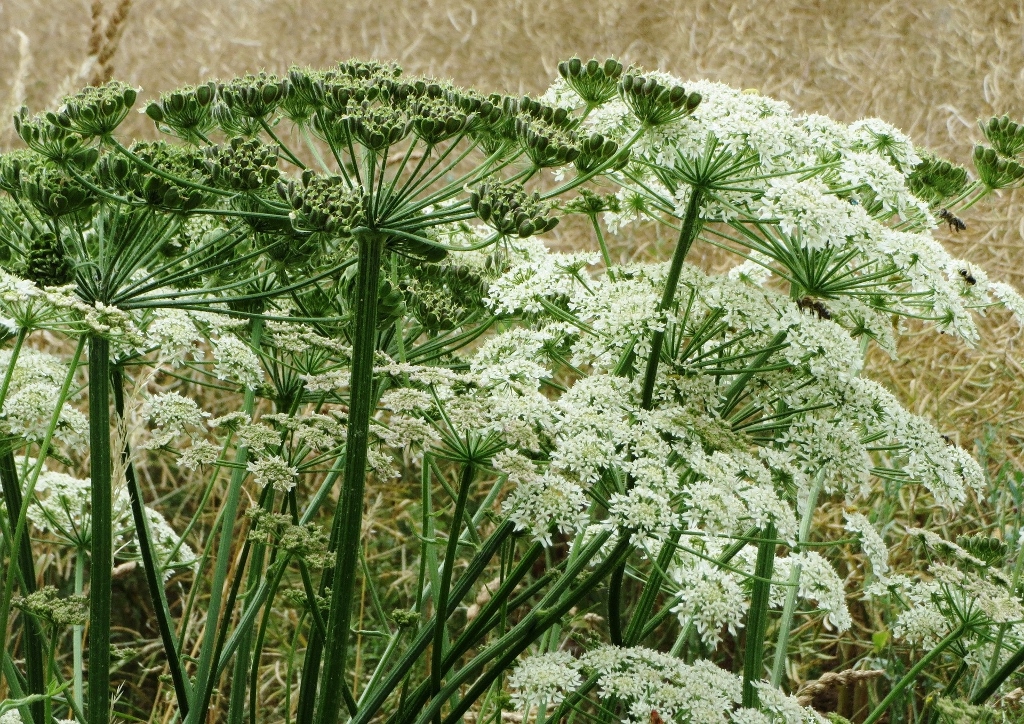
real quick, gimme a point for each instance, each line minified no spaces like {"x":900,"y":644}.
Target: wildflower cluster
{"x":284,"y":329}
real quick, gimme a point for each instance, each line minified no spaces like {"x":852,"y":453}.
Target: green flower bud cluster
{"x":441,"y":295}
{"x":997,"y":172}
{"x":590,"y":203}
{"x":324,"y":203}
{"x":188,"y":111}
{"x":47,"y":605}
{"x":935,"y":179}
{"x":364,"y":69}
{"x":595,"y":82}
{"x":1005,"y":135}
{"x":510,"y":210}
{"x":46,"y":262}
{"x":654,"y":104}
{"x":595,"y":151}
{"x":242,"y":165}
{"x":12,"y":165}
{"x":390,"y":303}
{"x":97,"y":111}
{"x":437,"y":119}
{"x":53,"y":193}
{"x":377,"y":127}
{"x":253,"y":96}
{"x":404,"y":618}
{"x":47,"y":137}
{"x":546,"y":144}
{"x":991,"y":550}
{"x":137,"y":182}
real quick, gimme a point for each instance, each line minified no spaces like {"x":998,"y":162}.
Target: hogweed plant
{"x":333,"y":283}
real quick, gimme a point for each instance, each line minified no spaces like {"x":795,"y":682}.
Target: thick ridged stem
{"x":212,"y":641}
{"x":346,"y":563}
{"x":151,"y":567}
{"x":437,"y":654}
{"x":687,"y":233}
{"x":101,"y":545}
{"x":993,"y":682}
{"x":757,"y":617}
{"x":34,"y":640}
{"x":789,"y":608}
{"x":690,"y":228}
{"x":642,"y":613}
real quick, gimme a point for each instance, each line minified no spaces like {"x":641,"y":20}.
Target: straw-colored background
{"x":930,"y":67}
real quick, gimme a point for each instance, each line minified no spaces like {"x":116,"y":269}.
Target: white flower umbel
{"x":820,"y":582}
{"x":784,"y":708}
{"x":647,"y":680}
{"x":237,"y":362}
{"x":540,"y":504}
{"x":273,"y":470}
{"x":710,"y":598}
{"x":870,"y":542}
{"x":543,"y":680}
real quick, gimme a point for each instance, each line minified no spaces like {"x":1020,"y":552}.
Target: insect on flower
{"x":815,"y":305}
{"x":656,"y":717}
{"x":955,"y":222}
{"x":967,"y":276}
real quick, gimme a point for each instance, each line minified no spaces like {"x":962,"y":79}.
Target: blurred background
{"x":930,"y":67}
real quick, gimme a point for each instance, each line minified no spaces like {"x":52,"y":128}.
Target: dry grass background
{"x":931,"y":67}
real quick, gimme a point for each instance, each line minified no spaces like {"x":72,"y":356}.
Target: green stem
{"x":691,"y":227}
{"x":76,"y":633}
{"x":468,"y":472}
{"x":151,"y":566}
{"x":779,"y":665}
{"x":204,"y":675}
{"x":101,"y":544}
{"x":371,"y":702}
{"x":908,"y":679}
{"x":757,"y":618}
{"x":236,"y":702}
{"x":996,"y":680}
{"x":34,"y":640}
{"x":346,"y":563}
{"x":641,"y":616}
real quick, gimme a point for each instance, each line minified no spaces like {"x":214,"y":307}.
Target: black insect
{"x":816,"y":306}
{"x":955,"y":222}
{"x":968,"y":278}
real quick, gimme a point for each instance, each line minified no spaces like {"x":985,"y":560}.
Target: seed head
{"x":138,"y":182}
{"x":97,"y":111}
{"x":595,"y":82}
{"x":253,"y":96}
{"x":510,"y":210}
{"x":997,"y":172}
{"x":654,"y":104}
{"x":242,"y":165}
{"x":324,"y":203}
{"x":53,"y":193}
{"x":1005,"y":135}
{"x":935,"y":179}
{"x":187,"y":112}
